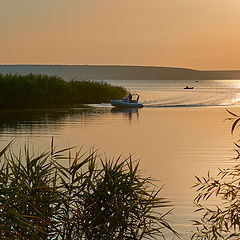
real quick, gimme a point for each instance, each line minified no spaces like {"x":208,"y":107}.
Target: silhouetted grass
{"x":42,"y":90}
{"x":220,"y":221}
{"x":53,"y":195}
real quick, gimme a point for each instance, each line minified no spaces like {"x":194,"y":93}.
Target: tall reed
{"x":37,"y":90}
{"x":57,"y":195}
{"x":221,"y":221}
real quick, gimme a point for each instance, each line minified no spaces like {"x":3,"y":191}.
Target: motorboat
{"x":187,"y":87}
{"x":127,"y":102}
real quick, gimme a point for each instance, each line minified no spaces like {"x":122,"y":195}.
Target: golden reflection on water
{"x":173,"y":144}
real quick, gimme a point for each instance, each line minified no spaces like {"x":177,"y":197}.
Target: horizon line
{"x":118,"y":65}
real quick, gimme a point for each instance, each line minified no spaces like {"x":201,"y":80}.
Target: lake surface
{"x":177,"y":135}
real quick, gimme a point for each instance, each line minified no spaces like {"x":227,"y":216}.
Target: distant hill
{"x":145,"y":72}
{"x":99,"y":72}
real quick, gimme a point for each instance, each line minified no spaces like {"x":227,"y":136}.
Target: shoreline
{"x":125,"y":72}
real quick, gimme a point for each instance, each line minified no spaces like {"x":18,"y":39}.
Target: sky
{"x":199,"y":34}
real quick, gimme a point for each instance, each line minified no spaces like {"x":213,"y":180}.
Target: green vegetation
{"x":57,"y":195}
{"x":221,"y":221}
{"x":42,"y":90}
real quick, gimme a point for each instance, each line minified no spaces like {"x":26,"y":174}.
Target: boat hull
{"x":122,"y":104}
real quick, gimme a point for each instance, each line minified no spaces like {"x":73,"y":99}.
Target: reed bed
{"x":220,"y":221}
{"x":41,"y":90}
{"x":60,"y":195}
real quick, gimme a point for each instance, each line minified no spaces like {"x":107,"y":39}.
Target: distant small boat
{"x":127,"y":103}
{"x":187,"y":87}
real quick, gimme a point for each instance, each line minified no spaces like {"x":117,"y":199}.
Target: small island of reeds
{"x":42,"y":90}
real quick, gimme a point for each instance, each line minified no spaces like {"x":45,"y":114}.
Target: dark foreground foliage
{"x":37,"y":90}
{"x":54,"y":196}
{"x":221,"y":221}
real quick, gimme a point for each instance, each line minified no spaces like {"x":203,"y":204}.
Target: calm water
{"x":178,"y":134}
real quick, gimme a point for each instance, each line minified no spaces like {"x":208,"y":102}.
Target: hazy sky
{"x":200,"y":34}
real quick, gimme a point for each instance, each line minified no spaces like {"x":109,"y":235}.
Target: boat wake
{"x":191,"y":102}
{"x":183,"y":106}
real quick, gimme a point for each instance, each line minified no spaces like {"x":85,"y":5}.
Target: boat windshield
{"x":134,"y":97}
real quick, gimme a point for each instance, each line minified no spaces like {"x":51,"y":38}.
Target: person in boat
{"x":130,"y":97}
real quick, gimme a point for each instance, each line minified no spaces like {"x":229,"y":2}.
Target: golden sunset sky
{"x":199,"y":34}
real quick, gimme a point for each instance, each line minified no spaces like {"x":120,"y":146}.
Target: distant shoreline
{"x":119,"y":72}
{"x":120,"y":65}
